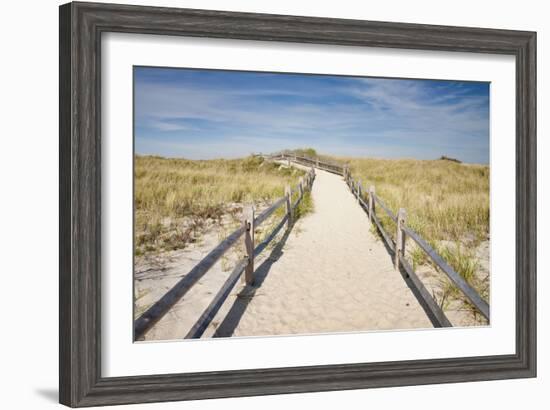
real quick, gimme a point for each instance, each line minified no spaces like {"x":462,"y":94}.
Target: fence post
{"x":359,"y":191}
{"x":317,"y":162}
{"x":248,"y":220}
{"x":371,"y":202}
{"x":288,"y":206}
{"x":301,"y":187}
{"x":400,"y":237}
{"x":288,"y":160}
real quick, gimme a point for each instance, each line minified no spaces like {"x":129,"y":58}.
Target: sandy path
{"x":329,"y":274}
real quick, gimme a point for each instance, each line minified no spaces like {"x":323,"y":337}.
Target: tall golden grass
{"x":444,"y":200}
{"x":175,"y":197}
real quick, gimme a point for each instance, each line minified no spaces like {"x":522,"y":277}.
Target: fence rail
{"x":322,"y":164}
{"x":398,"y":248}
{"x":152,"y":315}
{"x":458,"y":280}
{"x":368,"y":201}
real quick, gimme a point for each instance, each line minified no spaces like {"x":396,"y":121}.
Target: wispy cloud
{"x":207,"y":114}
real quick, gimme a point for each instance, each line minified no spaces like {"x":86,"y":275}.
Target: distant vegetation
{"x":174,"y":198}
{"x":303,"y":152}
{"x":444,"y":200}
{"x":444,"y":158}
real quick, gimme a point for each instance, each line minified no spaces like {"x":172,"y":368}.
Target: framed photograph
{"x":259,"y":204}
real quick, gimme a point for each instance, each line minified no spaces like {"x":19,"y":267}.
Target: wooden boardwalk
{"x":331,"y":273}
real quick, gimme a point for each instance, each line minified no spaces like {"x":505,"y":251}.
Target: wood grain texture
{"x":386,"y":208}
{"x":214,"y":306}
{"x":66,"y":358}
{"x":399,"y":237}
{"x":269,"y":211}
{"x":81,"y":26}
{"x":433,"y":310}
{"x":249,"y":244}
{"x":455,"y":278}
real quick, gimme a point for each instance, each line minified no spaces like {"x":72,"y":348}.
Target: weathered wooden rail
{"x":369,"y":201}
{"x":152,"y":315}
{"x":322,"y":164}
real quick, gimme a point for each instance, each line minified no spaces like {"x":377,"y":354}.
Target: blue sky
{"x":204,"y":114}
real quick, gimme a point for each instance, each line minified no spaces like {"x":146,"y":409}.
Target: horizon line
{"x":137,"y":154}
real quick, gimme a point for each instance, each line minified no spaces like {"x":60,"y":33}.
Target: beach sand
{"x":329,"y":274}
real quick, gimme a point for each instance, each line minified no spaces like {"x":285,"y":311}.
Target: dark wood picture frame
{"x":81,"y":27}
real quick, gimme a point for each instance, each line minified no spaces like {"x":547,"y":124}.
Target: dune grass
{"x":446,"y":202}
{"x":175,"y":198}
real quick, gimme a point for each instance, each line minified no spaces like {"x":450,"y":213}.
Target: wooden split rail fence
{"x":322,"y":164}
{"x":250,"y":222}
{"x":368,"y":200}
